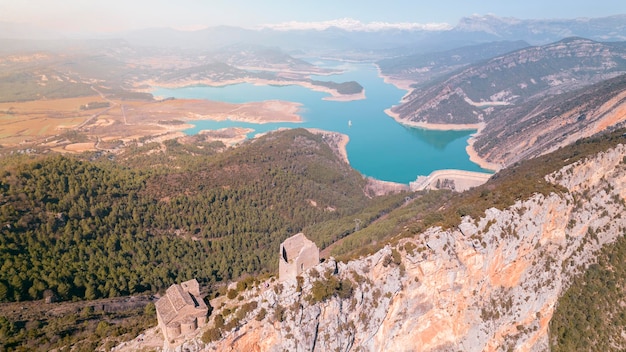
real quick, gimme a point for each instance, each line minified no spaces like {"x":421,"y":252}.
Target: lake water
{"x":379,"y":146}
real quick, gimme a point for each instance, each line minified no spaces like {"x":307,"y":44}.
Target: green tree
{"x":150,"y":310}
{"x":4,"y":292}
{"x":90,"y":292}
{"x":102,"y":329}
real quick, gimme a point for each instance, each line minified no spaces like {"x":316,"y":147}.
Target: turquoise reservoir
{"x":379,"y":147}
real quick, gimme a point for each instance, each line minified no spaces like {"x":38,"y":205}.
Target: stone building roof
{"x":180,"y":304}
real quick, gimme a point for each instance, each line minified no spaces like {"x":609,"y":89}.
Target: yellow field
{"x":37,"y":121}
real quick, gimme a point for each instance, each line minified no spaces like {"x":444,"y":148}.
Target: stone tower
{"x":297,"y":254}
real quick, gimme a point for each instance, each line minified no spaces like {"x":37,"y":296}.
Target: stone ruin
{"x":181,"y":310}
{"x":297,"y":254}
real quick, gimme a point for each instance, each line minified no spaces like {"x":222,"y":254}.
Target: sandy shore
{"x":200,"y":109}
{"x":346,"y":97}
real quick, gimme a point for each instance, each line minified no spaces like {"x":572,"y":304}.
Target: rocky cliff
{"x":491,"y":283}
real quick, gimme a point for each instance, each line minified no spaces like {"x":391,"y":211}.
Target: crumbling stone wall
{"x":297,"y":254}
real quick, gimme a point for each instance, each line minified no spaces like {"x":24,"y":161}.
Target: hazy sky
{"x":117,"y":15}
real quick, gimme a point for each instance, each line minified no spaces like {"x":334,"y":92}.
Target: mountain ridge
{"x":491,"y":282}
{"x":526,"y":102}
{"x":546,"y":124}
{"x":513,"y":78}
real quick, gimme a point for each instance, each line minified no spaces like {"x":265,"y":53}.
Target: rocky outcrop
{"x":491,"y":284}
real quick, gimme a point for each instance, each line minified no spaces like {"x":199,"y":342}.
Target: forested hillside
{"x":91,"y":229}
{"x":591,"y":314}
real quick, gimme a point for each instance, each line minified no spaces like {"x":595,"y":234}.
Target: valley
{"x":465,"y":186}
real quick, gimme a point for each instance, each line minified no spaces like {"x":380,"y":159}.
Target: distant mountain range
{"x":470,"y":30}
{"x":544,"y":31}
{"x":349,"y":40}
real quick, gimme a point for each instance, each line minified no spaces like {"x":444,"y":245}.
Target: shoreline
{"x":334,"y":95}
{"x":435,"y":126}
{"x":477,"y":159}
{"x":338,"y":145}
{"x":268,"y":111}
{"x":347,"y":97}
{"x":469,"y":149}
{"x":403,"y":84}
{"x":463,"y":180}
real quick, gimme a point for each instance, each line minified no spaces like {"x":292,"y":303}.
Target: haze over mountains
{"x":346,"y":37}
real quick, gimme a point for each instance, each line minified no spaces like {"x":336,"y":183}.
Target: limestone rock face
{"x":489,"y":285}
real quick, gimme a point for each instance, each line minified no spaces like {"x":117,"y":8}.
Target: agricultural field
{"x":32,"y":121}
{"x":70,"y":125}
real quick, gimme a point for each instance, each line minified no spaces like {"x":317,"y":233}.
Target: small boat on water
{"x":349,"y":123}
